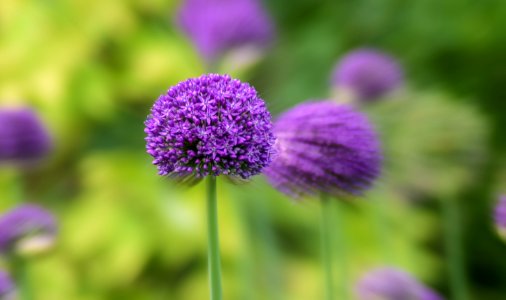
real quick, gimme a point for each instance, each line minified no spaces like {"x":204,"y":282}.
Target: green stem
{"x":454,"y":253}
{"x":21,"y":277}
{"x":213,"y":240}
{"x":342,"y":257}
{"x":329,"y":230}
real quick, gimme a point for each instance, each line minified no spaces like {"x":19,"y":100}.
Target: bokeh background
{"x":92,"y":69}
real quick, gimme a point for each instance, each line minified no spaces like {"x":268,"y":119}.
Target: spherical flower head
{"x":210,"y":125}
{"x":218,"y":26}
{"x":23,"y":138}
{"x":367,"y":74}
{"x":27,"y":229}
{"x":7,"y":287}
{"x":500,"y":216}
{"x":392,"y":284}
{"x":324,"y":147}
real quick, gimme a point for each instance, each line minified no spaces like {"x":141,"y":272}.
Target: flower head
{"x":27,"y":229}
{"x":500,"y":216}
{"x":324,"y":147}
{"x":217,"y":26}
{"x":210,"y":125}
{"x":439,"y":143}
{"x":392,"y":284}
{"x":23,"y":138}
{"x":368,"y":74}
{"x":7,"y":288}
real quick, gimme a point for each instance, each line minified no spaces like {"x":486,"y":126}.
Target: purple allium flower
{"x":7,"y":287}
{"x":392,"y":284}
{"x":368,"y":74}
{"x":23,"y":138}
{"x":27,"y":228}
{"x":217,"y":26}
{"x":324,"y":147}
{"x":210,"y":125}
{"x":500,"y":216}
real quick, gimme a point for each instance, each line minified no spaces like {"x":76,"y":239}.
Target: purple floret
{"x":25,"y":221}
{"x":323,"y":147}
{"x":392,"y":284}
{"x":217,"y":26}
{"x":6,"y":286}
{"x":23,"y":137}
{"x":369,"y":74}
{"x":210,"y":125}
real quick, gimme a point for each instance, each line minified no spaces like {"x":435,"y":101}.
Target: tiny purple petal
{"x":210,"y":125}
{"x":392,"y":284}
{"x":23,"y":138}
{"x":324,"y":147}
{"x":217,"y":26}
{"x":25,"y":221}
{"x":367,"y":73}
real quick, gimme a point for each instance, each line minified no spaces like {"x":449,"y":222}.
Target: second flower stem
{"x":213,"y":250}
{"x":453,"y":244}
{"x":326,"y":239}
{"x":328,"y":231}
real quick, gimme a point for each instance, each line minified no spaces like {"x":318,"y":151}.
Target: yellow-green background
{"x":93,"y":69}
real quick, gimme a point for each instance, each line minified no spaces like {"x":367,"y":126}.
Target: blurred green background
{"x":93,"y":69}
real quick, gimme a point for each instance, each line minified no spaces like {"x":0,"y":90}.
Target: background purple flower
{"x":217,"y":26}
{"x":23,"y":223}
{"x":392,"y":284}
{"x":500,"y":216}
{"x":324,"y":147}
{"x":367,"y":73}
{"x":210,"y":125}
{"x":7,"y":287}
{"x":23,"y":137}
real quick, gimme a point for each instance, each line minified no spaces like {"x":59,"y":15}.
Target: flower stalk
{"x":214,"y":262}
{"x":454,"y":253}
{"x":326,"y":238}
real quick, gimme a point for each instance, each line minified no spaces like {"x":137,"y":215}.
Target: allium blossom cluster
{"x":324,"y":147}
{"x":7,"y":287}
{"x":392,"y":284}
{"x":368,"y":74}
{"x":439,"y":144}
{"x":23,"y":138}
{"x":218,"y":26}
{"x":500,"y":216}
{"x":27,"y":228}
{"x":210,"y":125}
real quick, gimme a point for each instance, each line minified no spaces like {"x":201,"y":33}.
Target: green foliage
{"x":93,"y":68}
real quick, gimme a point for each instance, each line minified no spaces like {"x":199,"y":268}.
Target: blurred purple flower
{"x":217,"y":26}
{"x":27,"y":228}
{"x":7,"y":288}
{"x":500,"y":216}
{"x":210,"y":125}
{"x":368,"y":74}
{"x":392,"y":284}
{"x":324,"y":147}
{"x":23,"y":138}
